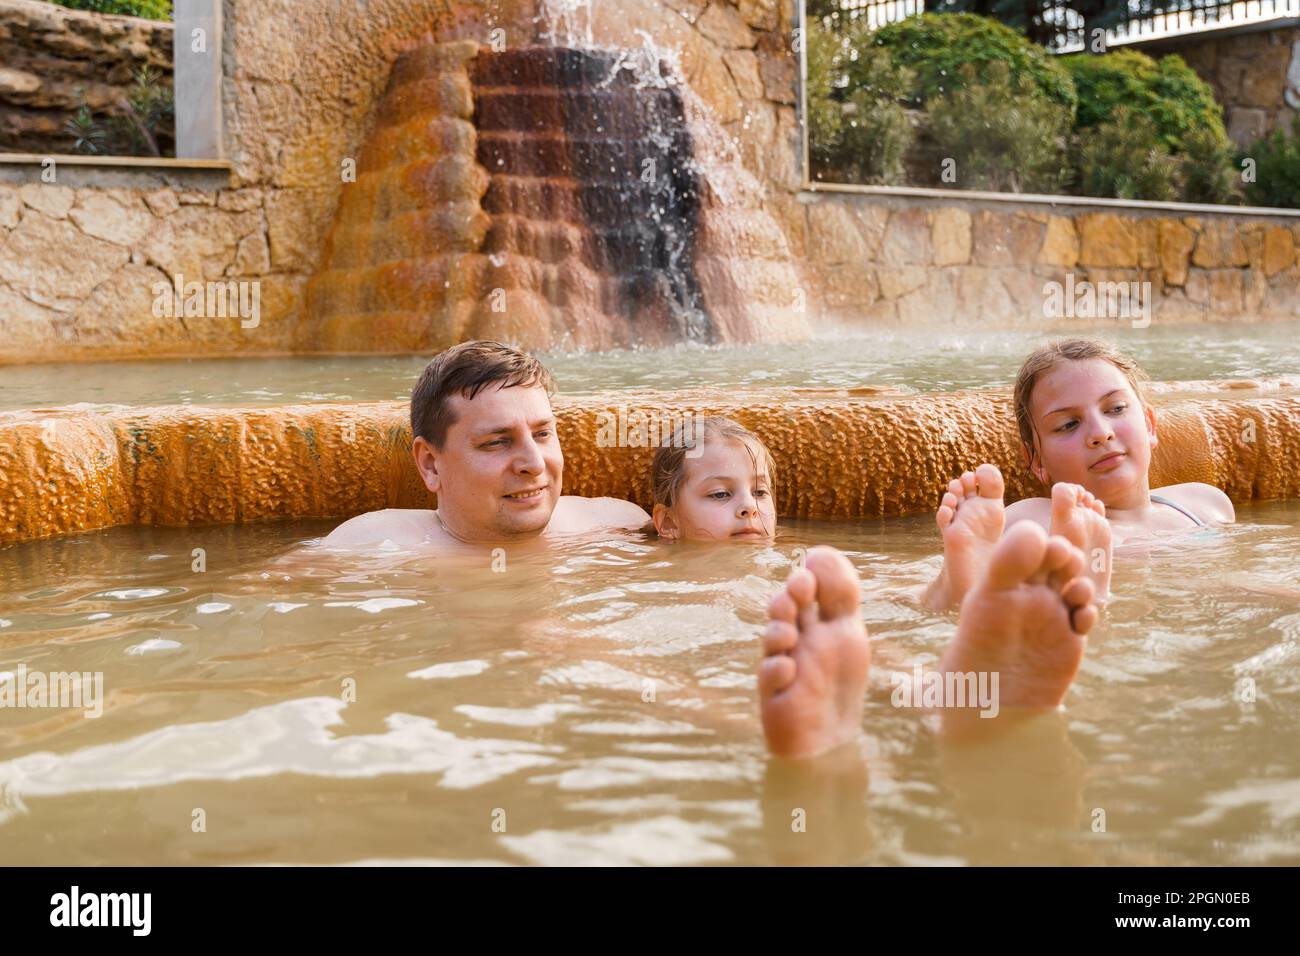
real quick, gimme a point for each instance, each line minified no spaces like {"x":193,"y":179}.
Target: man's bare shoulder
{"x":574,"y":513}
{"x":403,"y":527}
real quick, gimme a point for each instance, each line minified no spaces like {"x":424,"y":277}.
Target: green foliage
{"x":88,"y":135}
{"x":858,"y":128}
{"x":1124,"y":158}
{"x":1168,"y":91}
{"x":1277,"y":169}
{"x":937,"y":46}
{"x":1180,"y":107}
{"x":149,"y":9}
{"x":1210,"y":171}
{"x":1002,"y":134}
{"x":136,"y":125}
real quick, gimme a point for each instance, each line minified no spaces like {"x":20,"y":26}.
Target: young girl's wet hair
{"x":1043,"y":360}
{"x":668,"y":471}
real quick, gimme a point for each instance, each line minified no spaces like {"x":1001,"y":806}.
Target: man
{"x":484,"y":442}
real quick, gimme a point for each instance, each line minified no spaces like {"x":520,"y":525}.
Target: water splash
{"x":567,"y":23}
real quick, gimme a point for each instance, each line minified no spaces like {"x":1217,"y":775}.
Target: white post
{"x":196,"y":51}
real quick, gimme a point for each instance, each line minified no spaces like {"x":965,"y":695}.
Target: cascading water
{"x":552,"y":196}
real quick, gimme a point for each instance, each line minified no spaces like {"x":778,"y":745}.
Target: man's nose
{"x":530,"y":460}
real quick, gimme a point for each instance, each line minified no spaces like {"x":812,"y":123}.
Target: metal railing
{"x":1061,"y":29}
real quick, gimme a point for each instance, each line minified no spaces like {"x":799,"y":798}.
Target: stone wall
{"x":79,"y":261}
{"x":54,"y":60}
{"x":1256,"y":76}
{"x":919,"y":261}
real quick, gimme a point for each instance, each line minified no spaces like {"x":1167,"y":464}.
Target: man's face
{"x":498,"y":473}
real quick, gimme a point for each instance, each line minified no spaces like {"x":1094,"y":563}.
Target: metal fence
{"x":1060,"y":28}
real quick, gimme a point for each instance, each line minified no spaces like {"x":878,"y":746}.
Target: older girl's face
{"x":1092,"y":430}
{"x":726,"y":496}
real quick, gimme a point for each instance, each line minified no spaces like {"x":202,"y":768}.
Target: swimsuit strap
{"x":1162,"y":500}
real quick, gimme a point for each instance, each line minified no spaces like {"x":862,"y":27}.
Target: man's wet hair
{"x":466,"y":370}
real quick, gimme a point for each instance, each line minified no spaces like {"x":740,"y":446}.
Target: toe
{"x":779,"y":638}
{"x":837,"y":583}
{"x":1018,"y":555}
{"x":1062,"y":560}
{"x":802,"y":588}
{"x":968,"y":485}
{"x":775,"y":674}
{"x":989,"y":480}
{"x":782,"y":607}
{"x":1078,"y":592}
{"x":1083,"y":619}
{"x":956,"y":489}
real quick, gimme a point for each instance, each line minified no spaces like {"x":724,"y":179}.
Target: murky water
{"x":914,"y":361}
{"x":596,"y":704}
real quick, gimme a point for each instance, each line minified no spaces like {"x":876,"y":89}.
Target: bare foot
{"x":970,"y":518}
{"x":814,"y":675}
{"x":1081,"y":519}
{"x":1025,"y":621}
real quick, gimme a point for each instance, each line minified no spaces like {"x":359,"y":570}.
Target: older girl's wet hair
{"x":668,"y":471}
{"x":1043,"y":360}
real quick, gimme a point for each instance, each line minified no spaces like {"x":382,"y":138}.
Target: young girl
{"x":714,"y":486}
{"x":1087,"y":433}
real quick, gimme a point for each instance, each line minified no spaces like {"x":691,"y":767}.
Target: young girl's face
{"x":725,"y":496}
{"x":1092,"y":430}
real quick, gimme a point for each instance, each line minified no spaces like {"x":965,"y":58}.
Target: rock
{"x":253,"y":256}
{"x":690,"y":10}
{"x":17,"y":85}
{"x":1279,"y":250}
{"x":950,"y":235}
{"x":1060,"y":243}
{"x":117,"y":215}
{"x":38,"y":263}
{"x":1174,"y":243}
{"x":777,"y":66}
{"x":54,"y":201}
{"x":1263,"y":84}
{"x":1003,"y":239}
{"x":832,"y":237}
{"x":760,"y":14}
{"x":239,"y":200}
{"x":1220,"y":245}
{"x":712,"y":82}
{"x":11,"y":205}
{"x":1245,"y":126}
{"x":907,"y":238}
{"x":900,"y":280}
{"x":161,"y":202}
{"x":297,"y":222}
{"x":743,"y":65}
{"x":1107,"y":241}
{"x":725,"y":27}
{"x":1226,"y":292}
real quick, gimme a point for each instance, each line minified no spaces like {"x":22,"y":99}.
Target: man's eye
{"x":542,"y":434}
{"x":491,"y":444}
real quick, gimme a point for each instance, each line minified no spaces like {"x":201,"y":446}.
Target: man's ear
{"x":1151,"y":425}
{"x":426,"y":463}
{"x":664,"y":524}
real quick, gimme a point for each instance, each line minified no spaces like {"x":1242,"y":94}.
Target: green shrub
{"x":135,"y":126}
{"x":1277,"y":169}
{"x":1210,"y":172}
{"x":1002,"y":134}
{"x":149,"y":9}
{"x":858,"y":128}
{"x":1181,"y":108}
{"x":937,"y":46}
{"x":1125,"y":159}
{"x":1167,"y":91}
